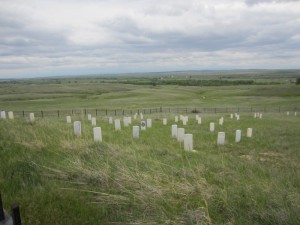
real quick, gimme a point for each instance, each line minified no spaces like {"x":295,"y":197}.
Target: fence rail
{"x":157,"y":110}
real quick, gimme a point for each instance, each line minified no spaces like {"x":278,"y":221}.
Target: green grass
{"x":60,"y":179}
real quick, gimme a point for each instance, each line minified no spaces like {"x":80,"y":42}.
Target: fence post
{"x":16,"y":214}
{"x":23,"y":113}
{"x":2,"y":217}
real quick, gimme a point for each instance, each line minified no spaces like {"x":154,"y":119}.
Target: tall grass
{"x":60,"y":179}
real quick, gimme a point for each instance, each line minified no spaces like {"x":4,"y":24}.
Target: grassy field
{"x":60,"y":179}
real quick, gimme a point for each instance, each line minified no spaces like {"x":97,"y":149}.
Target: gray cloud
{"x":68,"y":36}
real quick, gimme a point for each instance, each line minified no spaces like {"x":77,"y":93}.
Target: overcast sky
{"x":70,"y":37}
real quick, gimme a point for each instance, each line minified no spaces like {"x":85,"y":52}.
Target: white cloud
{"x":120,"y":35}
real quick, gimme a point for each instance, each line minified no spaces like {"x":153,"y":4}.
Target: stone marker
{"x":117,"y":124}
{"x":231,"y":116}
{"x":10,"y":115}
{"x":260,"y":116}
{"x":249,"y":132}
{"x":93,"y":121}
{"x":176,"y":119}
{"x":143,"y":125}
{"x":164,"y":121}
{"x":174,"y":130}
{"x":199,"y":120}
{"x":129,"y":120}
{"x":135,"y":131}
{"x":68,"y":119}
{"x":221,"y":138}
{"x":212,"y":127}
{"x":197,"y":116}
{"x":126,"y":121}
{"x":77,"y":128}
{"x":188,"y":142}
{"x":295,"y":114}
{"x":238,"y":134}
{"x":110,"y":120}
{"x":149,"y":123}
{"x":141,"y":115}
{"x":221,"y":121}
{"x":184,"y":121}
{"x":287,"y":113}
{"x":135,"y":116}
{"x":89,"y":116}
{"x":31,"y":117}
{"x":3,"y":115}
{"x":254,"y":115}
{"x":97,"y":134}
{"x":180,"y":134}
{"x":237,"y":117}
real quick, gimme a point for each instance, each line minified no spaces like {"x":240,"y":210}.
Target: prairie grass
{"x":60,"y":179}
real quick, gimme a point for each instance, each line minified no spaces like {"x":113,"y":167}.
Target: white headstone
{"x":125,"y":121}
{"x":110,"y":120}
{"x":89,"y":116}
{"x":93,"y":121}
{"x":149,"y":123}
{"x":199,"y":120}
{"x":10,"y":115}
{"x":77,"y":128}
{"x":180,"y":134}
{"x":249,"y":132}
{"x":212,"y":127}
{"x":238,"y":117}
{"x":31,"y":117}
{"x":176,"y":119}
{"x":141,"y":115}
{"x":188,"y":142}
{"x":238,"y":134}
{"x":287,"y":113}
{"x":135,"y":131}
{"x":174,"y":130}
{"x":3,"y":115}
{"x":135,"y":116}
{"x":117,"y":124}
{"x":69,"y":119}
{"x":254,"y":115}
{"x":221,"y":138}
{"x":129,"y":120}
{"x":231,"y":116}
{"x":164,"y":121}
{"x":295,"y":114}
{"x":197,"y":116}
{"x":97,"y":134}
{"x":143,"y":125}
{"x":184,"y":122}
{"x":181,"y":117}
{"x":260,"y":116}
{"x":221,"y":121}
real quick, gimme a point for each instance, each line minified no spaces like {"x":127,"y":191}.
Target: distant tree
{"x":298,"y":81}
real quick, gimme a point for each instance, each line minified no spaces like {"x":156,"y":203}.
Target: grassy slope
{"x":59,"y":179}
{"x":151,"y":180}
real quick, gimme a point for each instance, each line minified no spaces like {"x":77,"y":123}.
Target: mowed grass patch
{"x":151,"y":180}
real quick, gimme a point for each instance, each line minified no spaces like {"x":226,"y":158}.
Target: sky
{"x":75,"y":37}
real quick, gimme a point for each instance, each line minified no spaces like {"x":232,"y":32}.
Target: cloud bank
{"x":51,"y":37}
